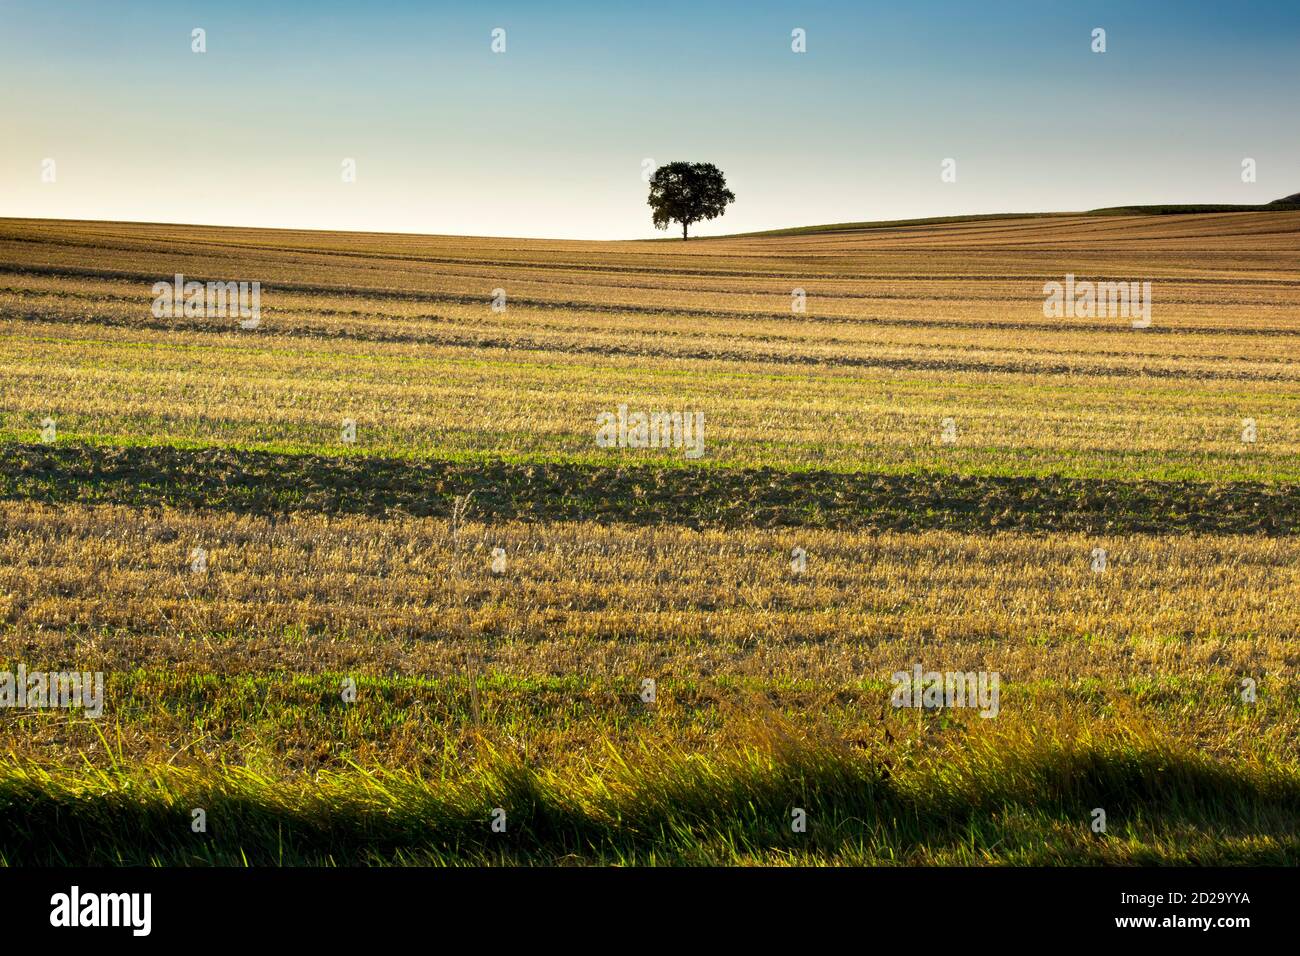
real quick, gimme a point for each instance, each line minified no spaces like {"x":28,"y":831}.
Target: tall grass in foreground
{"x":1015,"y":795}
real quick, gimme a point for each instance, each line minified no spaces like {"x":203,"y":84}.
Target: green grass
{"x":1026,"y":802}
{"x":792,"y":458}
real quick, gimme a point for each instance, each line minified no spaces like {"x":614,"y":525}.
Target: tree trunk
{"x":684,"y":237}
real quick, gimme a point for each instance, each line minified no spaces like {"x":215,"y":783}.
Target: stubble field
{"x":836,"y":530}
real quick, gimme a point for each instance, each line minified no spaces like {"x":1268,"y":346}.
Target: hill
{"x":1288,"y":203}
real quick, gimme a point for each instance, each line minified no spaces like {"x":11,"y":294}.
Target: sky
{"x":551,"y":137}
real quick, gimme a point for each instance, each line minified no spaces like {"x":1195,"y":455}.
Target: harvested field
{"x":921,"y":468}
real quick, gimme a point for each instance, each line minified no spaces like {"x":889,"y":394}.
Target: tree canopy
{"x":688,"y":193}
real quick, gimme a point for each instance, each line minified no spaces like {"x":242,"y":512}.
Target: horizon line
{"x":1277,"y":205}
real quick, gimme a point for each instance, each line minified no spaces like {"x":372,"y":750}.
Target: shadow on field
{"x":1033,"y":808}
{"x":266,"y":483}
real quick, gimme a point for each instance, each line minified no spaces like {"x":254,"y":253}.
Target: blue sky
{"x":548,"y":138}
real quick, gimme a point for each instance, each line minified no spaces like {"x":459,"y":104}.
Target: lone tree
{"x":688,"y":193}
